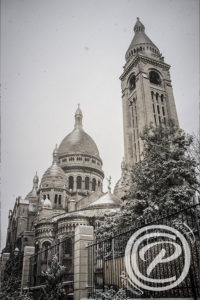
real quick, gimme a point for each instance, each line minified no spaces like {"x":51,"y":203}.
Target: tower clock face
{"x":154,"y":77}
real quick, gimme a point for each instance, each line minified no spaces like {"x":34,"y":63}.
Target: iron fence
{"x":41,"y":262}
{"x":107,"y":258}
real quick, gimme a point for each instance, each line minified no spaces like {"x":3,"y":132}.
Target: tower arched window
{"x":154,"y":77}
{"x":152,"y":94}
{"x":59,"y":199}
{"x":157,"y":96}
{"x":162,"y":98}
{"x":71,"y":182}
{"x":79,"y":182}
{"x":132,"y":82}
{"x":87,"y":181}
{"x":94,"y":183}
{"x":55,"y":198}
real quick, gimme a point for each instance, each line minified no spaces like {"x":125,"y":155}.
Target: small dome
{"x":47,"y":203}
{"x":108,"y":200}
{"x":33,"y":192}
{"x":36,"y":179}
{"x":54,"y":175}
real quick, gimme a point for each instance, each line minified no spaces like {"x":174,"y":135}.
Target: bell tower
{"x":147,"y":94}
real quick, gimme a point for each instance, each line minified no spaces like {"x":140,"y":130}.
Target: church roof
{"x":78,"y":141}
{"x":107,"y":200}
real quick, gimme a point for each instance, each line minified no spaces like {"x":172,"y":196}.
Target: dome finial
{"x":55,"y":154}
{"x":35,"y":180}
{"x":78,"y":118}
{"x":109,"y":184}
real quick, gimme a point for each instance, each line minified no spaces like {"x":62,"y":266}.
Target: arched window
{"x":45,"y":247}
{"x":55,"y":198}
{"x":59,"y":199}
{"x":79,"y":182}
{"x":99,"y":183}
{"x":37,"y":248}
{"x":162,"y":98}
{"x":154,"y":77}
{"x":152,"y":94}
{"x":94,"y":183}
{"x":71,"y":182}
{"x":132,"y":82}
{"x":68,"y":246}
{"x":87,"y":183}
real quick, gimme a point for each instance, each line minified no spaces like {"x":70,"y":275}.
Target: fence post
{"x":28,"y":251}
{"x":83,"y":235}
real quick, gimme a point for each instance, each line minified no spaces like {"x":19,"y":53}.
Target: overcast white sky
{"x":58,"y":53}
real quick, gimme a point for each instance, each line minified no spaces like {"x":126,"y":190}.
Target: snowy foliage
{"x":165,"y":178}
{"x":194,"y":152}
{"x":53,"y":289}
{"x":111,"y":294}
{"x":11,"y":284}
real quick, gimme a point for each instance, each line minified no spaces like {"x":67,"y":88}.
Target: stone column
{"x":83,"y":236}
{"x":28,"y":251}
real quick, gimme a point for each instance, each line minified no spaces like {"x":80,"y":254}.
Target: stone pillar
{"x":83,"y":235}
{"x":5,"y":257}
{"x":28,"y":251}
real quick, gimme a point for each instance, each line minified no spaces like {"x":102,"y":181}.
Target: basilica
{"x":70,"y":192}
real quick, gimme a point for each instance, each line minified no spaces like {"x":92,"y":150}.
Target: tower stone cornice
{"x":141,"y":58}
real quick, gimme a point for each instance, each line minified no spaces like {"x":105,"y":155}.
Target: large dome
{"x":78,"y":141}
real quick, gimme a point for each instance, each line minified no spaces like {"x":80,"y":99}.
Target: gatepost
{"x":28,"y":251}
{"x":83,"y":236}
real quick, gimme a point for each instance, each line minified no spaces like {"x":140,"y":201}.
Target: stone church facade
{"x":70,"y":192}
